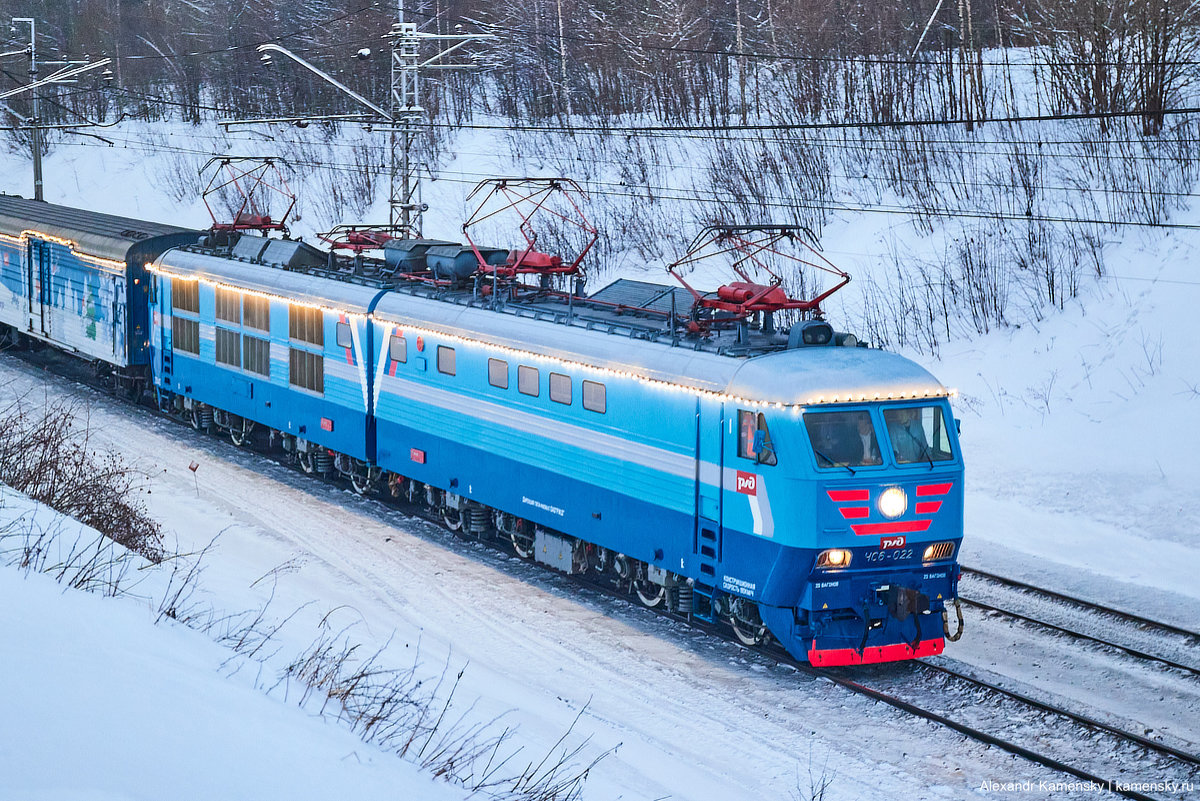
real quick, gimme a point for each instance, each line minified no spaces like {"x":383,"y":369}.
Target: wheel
{"x":307,"y":463}
{"x":649,"y":593}
{"x":747,"y":625}
{"x":452,"y":518}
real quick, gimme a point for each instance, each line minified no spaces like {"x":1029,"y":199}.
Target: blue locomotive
{"x":786,"y":482}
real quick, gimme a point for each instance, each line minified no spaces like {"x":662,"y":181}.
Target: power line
{"x":824,"y":126}
{"x":1104,"y":191}
{"x":473,"y":178}
{"x":1151,"y":280}
{"x":685,"y":131}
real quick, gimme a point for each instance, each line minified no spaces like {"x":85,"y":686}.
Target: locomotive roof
{"x":803,"y":376}
{"x":105,"y":235}
{"x":298,"y":287}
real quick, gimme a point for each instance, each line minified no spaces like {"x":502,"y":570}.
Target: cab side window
{"x":754,"y":438}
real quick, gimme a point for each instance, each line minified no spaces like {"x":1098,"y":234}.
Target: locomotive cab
{"x":846,"y":517}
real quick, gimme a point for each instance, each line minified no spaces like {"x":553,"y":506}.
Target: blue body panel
{"x":334,"y":418}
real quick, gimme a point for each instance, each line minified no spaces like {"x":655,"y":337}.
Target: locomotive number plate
{"x":891,"y":555}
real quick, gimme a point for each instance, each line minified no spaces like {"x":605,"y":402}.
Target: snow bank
{"x":103,"y":705}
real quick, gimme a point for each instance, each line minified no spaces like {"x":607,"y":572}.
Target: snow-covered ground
{"x":1083,"y":474}
{"x":102,"y":705}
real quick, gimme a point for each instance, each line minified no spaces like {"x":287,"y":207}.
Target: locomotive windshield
{"x":918,"y":434}
{"x":843,"y":439}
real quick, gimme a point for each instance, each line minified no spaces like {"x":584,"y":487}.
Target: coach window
{"x":498,"y":373}
{"x":306,"y":363}
{"x":754,"y":438}
{"x":528,"y":380}
{"x":256,"y":312}
{"x":345,"y":339}
{"x":229,"y":347}
{"x":307,"y":324}
{"x":398,"y":348}
{"x":185,"y":332}
{"x":560,"y":388}
{"x":256,"y":355}
{"x":185,"y":295}
{"x":306,"y":370}
{"x":229,"y":305}
{"x":446,"y":360}
{"x":595,"y":397}
{"x":185,"y":335}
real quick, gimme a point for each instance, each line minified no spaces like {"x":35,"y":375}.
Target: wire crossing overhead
{"x":404,"y":200}
{"x":69,"y":70}
{"x":402,"y":120}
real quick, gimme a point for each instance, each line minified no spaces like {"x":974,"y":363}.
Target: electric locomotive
{"x":687,"y":447}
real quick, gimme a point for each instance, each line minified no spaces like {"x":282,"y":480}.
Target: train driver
{"x":908,"y":435}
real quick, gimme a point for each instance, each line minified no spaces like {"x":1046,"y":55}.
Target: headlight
{"x":834,"y":558}
{"x":938,"y":550}
{"x":893,"y":502}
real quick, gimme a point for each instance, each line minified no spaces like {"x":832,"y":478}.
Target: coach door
{"x":710,"y":447}
{"x":38,"y":285}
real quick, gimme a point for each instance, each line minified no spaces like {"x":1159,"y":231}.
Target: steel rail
{"x":1081,"y":636}
{"x":1085,"y":604}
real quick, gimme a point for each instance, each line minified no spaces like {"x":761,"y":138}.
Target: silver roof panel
{"x":104,"y":235}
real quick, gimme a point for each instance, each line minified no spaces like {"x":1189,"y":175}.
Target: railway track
{"x":1183,"y":643}
{"x":1038,"y":731}
{"x":1053,"y":742}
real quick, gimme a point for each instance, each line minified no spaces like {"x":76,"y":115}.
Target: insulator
{"x":323,"y":461}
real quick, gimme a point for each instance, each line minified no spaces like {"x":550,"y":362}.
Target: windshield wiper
{"x":832,"y":463}
{"x":924,"y":450}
